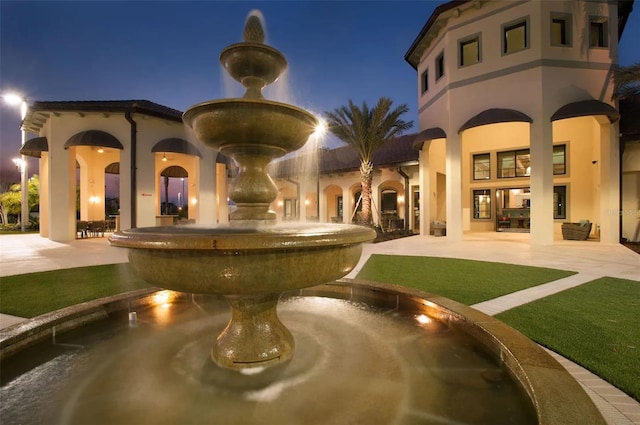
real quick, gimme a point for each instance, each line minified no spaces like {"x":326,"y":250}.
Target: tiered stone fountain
{"x":253,"y":260}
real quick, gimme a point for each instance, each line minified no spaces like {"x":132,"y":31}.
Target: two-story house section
{"x":518,"y":129}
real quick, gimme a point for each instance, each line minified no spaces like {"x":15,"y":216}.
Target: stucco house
{"x":518,"y":126}
{"x":81,"y":141}
{"x":518,"y":131}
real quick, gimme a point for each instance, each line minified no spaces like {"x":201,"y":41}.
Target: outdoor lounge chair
{"x":576,"y":231}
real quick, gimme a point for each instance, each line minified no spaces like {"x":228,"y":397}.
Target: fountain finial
{"x":253,"y":31}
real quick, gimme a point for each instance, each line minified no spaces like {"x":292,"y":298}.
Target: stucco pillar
{"x":45,"y":202}
{"x":125,"y":187}
{"x":221,"y":193}
{"x":424,"y":178}
{"x":609,"y":182}
{"x":453,"y":164}
{"x":205,"y":193}
{"x":541,"y":150}
{"x":321,"y":197}
{"x":375,"y":199}
{"x":347,"y":205}
{"x":62,"y":191}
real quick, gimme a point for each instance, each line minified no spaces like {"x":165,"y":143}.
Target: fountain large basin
{"x":368,"y":353}
{"x":243,"y":260}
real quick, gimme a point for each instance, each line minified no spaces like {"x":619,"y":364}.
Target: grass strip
{"x":594,"y":325}
{"x":32,"y":294}
{"x":465,"y":281}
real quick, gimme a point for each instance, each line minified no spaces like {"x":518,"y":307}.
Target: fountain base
{"x":255,"y":336}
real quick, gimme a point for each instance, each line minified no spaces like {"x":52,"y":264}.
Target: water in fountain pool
{"x":355,"y":362}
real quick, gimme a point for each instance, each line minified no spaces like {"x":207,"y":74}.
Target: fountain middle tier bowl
{"x":232,"y":123}
{"x":235,"y":260}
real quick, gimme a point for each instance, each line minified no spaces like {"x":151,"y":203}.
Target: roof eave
{"x":411,"y":57}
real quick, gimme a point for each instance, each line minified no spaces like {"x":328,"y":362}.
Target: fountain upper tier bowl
{"x":243,"y":260}
{"x":227,"y":123}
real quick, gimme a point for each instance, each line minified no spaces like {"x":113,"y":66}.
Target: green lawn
{"x":29,"y":295}
{"x":595,"y":325}
{"x":465,"y":281}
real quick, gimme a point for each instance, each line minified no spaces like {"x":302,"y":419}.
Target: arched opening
{"x":175,"y":184}
{"x":112,"y":195}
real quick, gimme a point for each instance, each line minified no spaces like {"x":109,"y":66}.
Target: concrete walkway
{"x":30,"y":253}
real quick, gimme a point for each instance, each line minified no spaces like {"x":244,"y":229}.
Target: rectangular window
{"x":425,"y":80}
{"x":482,"y":166}
{"x":559,"y":202}
{"x":439,"y":66}
{"x":290,"y":209}
{"x":561,"y":29}
{"x":559,"y":159}
{"x":515,"y":37}
{"x":482,"y":204}
{"x":598,"y":32}
{"x":558,"y":32}
{"x":470,"y":51}
{"x":514,"y":164}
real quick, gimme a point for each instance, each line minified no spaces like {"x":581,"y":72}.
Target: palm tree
{"x":626,"y":80}
{"x":365,"y":130}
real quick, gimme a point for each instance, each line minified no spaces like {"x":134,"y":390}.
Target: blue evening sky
{"x":167,"y":52}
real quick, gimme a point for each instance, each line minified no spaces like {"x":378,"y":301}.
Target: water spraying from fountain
{"x":252,"y":261}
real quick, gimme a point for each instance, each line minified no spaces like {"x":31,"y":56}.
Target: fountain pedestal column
{"x":254,"y":336}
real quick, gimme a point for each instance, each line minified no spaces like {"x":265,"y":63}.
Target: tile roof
{"x":37,"y":113}
{"x":396,"y":152}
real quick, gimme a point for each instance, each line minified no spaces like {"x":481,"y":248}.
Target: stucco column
{"x":125,"y":187}
{"x":375,"y":199}
{"x":221,"y":193}
{"x":45,"y":202}
{"x":424,"y":178}
{"x":609,"y":182}
{"x":206,"y":182}
{"x":541,"y":150}
{"x":347,"y":205}
{"x":322,"y":203}
{"x":62,"y":191}
{"x":453,"y":164}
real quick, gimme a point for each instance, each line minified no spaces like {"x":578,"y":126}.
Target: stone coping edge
{"x":556,"y":396}
{"x":31,"y":331}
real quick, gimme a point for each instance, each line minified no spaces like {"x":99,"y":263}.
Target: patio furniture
{"x":576,"y":231}
{"x":439,"y":228}
{"x":504,"y":222}
{"x":96,"y":228}
{"x":81,"y":228}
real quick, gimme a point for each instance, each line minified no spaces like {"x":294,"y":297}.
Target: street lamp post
{"x":14,"y":99}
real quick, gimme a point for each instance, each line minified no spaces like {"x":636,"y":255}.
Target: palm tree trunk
{"x":366,"y":178}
